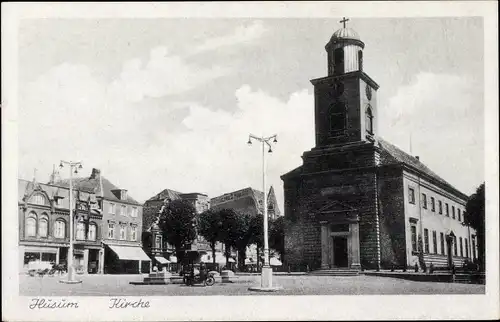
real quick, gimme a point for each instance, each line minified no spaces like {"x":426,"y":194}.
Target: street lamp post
{"x":267,"y":272}
{"x":71,"y":273}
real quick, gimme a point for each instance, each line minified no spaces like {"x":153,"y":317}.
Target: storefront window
{"x":49,"y":257}
{"x":30,"y":257}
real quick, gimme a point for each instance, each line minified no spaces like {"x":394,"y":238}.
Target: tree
{"x":177,"y":223}
{"x":475,"y":218}
{"x":277,"y":235}
{"x":256,"y":231}
{"x":210,"y":227}
{"x":243,"y":238}
{"x":232,"y":229}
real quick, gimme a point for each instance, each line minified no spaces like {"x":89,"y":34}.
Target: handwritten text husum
{"x":52,"y":304}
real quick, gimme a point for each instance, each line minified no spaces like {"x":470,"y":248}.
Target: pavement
{"x":119,"y":285}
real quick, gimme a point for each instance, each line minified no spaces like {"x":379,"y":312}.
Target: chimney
{"x":95,"y":173}
{"x":417,"y":157}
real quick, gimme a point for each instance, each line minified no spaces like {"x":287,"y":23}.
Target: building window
{"x":461,"y":247}
{"x":339,"y":61}
{"x":459,"y":215}
{"x":440,"y":207}
{"x":434,"y":242}
{"x":60,"y":229}
{"x":112,"y":208}
{"x":433,"y":204}
{"x":92,"y":231}
{"x":38,"y":199}
{"x":369,"y":120}
{"x":80,"y":230}
{"x":31,"y":225}
{"x":424,"y":201}
{"x":414,"y":238}
{"x":133,"y":233}
{"x":111,"y":231}
{"x":442,"y":244}
{"x":466,"y":248}
{"x":122,"y":232}
{"x":123,"y":210}
{"x":134,"y":212}
{"x":43,"y":226}
{"x":453,"y":212}
{"x":473,"y":242}
{"x":158,"y":242}
{"x":426,"y":240}
{"x":447,"y":210}
{"x":411,"y":195}
{"x":455,"y":247}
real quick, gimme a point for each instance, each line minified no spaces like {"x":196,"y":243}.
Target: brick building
{"x":248,"y":201}
{"x":121,"y":225}
{"x":44,"y":226}
{"x":358,"y":201}
{"x":156,"y":245}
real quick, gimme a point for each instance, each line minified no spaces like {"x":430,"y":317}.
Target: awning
{"x":134,"y":253}
{"x":173,"y":259}
{"x":274,"y":262}
{"x":162,"y":260}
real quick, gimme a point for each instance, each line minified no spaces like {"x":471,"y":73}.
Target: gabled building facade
{"x":44,"y":226}
{"x":358,"y":201}
{"x":121,"y":225}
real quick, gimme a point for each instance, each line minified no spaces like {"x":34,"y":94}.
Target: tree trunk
{"x":212,"y":245}
{"x":241,"y":258}
{"x":227,"y":253}
{"x":258,"y":257}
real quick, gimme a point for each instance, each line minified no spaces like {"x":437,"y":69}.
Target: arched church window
{"x":339,"y":60}
{"x":360,"y":60}
{"x":369,"y":120}
{"x":43,"y":225}
{"x":30,"y":225}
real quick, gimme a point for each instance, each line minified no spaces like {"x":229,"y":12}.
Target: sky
{"x":169,"y":103}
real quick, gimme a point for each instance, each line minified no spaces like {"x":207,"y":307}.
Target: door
{"x":340,"y":258}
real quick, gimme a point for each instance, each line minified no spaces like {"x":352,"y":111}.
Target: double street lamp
{"x":267,"y":272}
{"x":73,"y":167}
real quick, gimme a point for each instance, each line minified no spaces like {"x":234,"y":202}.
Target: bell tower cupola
{"x":345,"y":100}
{"x":345,"y":51}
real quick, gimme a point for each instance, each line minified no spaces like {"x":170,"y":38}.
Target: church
{"x":357,"y":201}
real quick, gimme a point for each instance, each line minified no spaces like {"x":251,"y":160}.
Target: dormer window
{"x":38,"y":199}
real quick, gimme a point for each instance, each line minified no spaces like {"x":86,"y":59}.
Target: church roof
{"x":345,"y":33}
{"x":391,"y":154}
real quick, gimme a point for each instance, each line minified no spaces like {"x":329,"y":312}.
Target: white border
{"x":251,"y":307}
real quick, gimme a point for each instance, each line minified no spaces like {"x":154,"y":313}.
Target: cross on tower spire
{"x":344,"y":20}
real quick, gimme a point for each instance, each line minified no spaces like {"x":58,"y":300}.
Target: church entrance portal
{"x":340,"y":256}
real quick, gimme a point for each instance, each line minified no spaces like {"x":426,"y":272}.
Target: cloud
{"x":241,"y":35}
{"x":446,"y":122}
{"x":164,"y":74}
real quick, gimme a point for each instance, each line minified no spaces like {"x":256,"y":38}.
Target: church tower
{"x":345,"y":100}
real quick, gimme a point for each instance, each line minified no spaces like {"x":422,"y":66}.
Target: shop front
{"x":120,"y":259}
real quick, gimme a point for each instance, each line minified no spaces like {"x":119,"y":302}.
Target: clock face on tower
{"x":368,"y":92}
